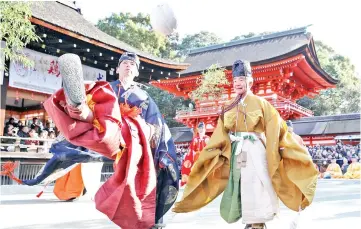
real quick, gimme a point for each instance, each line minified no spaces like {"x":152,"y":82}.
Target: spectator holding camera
{"x":12,"y":131}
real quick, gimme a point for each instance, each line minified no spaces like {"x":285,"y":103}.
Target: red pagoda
{"x":285,"y":68}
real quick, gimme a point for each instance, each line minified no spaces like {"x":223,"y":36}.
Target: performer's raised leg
{"x":74,"y":89}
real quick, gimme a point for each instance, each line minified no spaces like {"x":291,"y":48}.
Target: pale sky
{"x":334,"y":22}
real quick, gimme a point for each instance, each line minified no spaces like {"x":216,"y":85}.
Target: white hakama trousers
{"x":259,"y":200}
{"x":91,"y":173}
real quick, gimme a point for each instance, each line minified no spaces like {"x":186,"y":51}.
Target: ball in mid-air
{"x":163,"y":19}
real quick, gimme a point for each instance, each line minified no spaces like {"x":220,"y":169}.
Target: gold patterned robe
{"x":353,"y":171}
{"x":291,"y":169}
{"x":335,"y":170}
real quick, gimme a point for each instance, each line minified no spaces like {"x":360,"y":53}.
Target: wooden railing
{"x":201,"y":111}
{"x":292,"y":106}
{"x":214,"y":110}
{"x":15,"y":147}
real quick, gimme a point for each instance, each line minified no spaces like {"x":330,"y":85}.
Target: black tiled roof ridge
{"x":339,"y":117}
{"x":290,"y":32}
{"x":70,"y":5}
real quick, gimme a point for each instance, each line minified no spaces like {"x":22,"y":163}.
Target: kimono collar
{"x":126,"y":87}
{"x":248,"y":92}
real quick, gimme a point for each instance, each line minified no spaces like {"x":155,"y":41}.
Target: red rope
{"x":7,"y":169}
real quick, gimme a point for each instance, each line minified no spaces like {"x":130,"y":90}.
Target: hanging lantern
{"x":17,"y":95}
{"x":163,"y":19}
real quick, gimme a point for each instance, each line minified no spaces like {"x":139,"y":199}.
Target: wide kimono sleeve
{"x":294,"y":177}
{"x":103,"y":135}
{"x":210,"y":173}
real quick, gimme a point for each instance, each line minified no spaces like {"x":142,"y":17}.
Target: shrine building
{"x":285,"y":68}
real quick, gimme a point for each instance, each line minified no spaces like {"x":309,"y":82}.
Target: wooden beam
{"x":3,"y":92}
{"x":25,"y":94}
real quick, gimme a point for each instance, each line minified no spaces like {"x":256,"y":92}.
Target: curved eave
{"x":258,"y":71}
{"x":313,"y":62}
{"x":311,"y":57}
{"x":38,"y":21}
{"x":305,"y":50}
{"x":192,"y":79}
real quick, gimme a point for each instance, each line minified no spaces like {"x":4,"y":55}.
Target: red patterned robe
{"x":195,"y":148}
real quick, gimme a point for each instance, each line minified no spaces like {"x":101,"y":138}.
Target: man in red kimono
{"x":121,"y":122}
{"x":198,"y":143}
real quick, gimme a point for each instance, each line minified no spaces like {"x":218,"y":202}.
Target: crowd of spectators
{"x":322,"y":155}
{"x":33,"y":130}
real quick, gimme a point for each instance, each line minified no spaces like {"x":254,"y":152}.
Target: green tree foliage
{"x":137,"y":32}
{"x":16,"y":30}
{"x":197,"y":40}
{"x":249,"y":35}
{"x":345,"y":98}
{"x":210,"y":83}
{"x":168,"y":104}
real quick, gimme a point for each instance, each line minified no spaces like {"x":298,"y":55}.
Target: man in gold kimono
{"x":333,"y":170}
{"x":354,"y":169}
{"x":243,"y":159}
